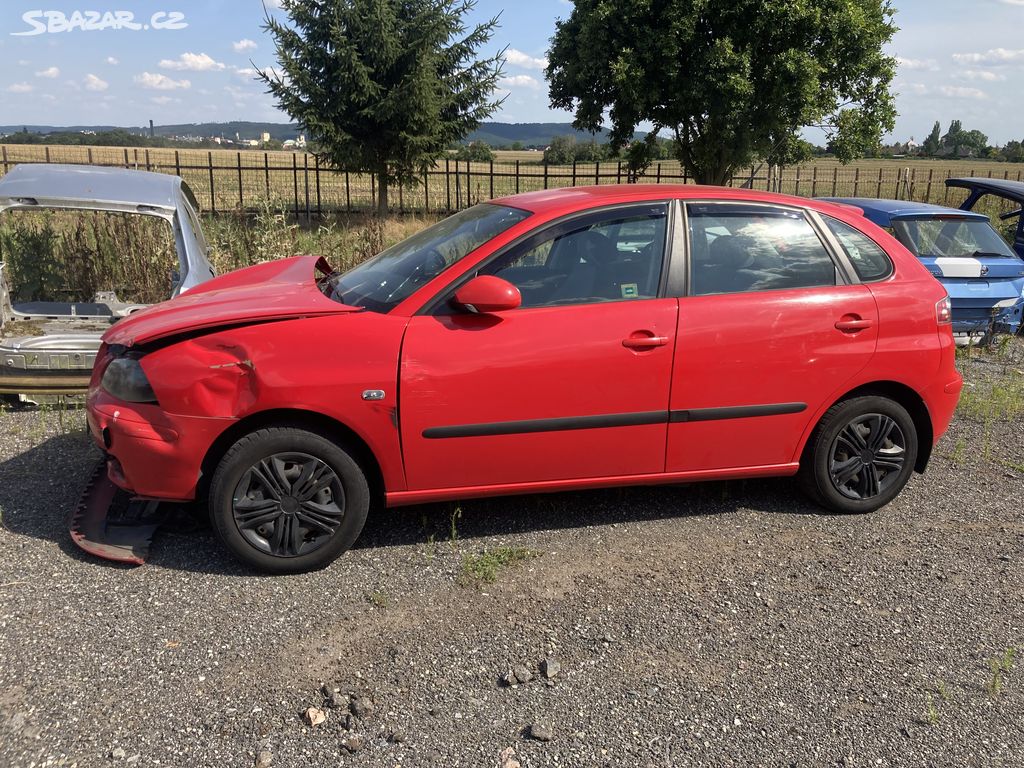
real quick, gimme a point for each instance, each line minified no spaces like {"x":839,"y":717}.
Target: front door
{"x":573,"y":384}
{"x":767,"y":333}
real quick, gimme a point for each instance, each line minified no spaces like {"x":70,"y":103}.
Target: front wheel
{"x":286,"y":500}
{"x":860,"y":456}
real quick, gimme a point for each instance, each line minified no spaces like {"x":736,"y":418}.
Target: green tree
{"x":382,"y":86}
{"x":732,"y":79}
{"x":517,"y":146}
{"x":475,"y":152}
{"x":561,"y":151}
{"x":934,"y":141}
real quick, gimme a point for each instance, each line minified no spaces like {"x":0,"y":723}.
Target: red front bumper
{"x":150,"y":453}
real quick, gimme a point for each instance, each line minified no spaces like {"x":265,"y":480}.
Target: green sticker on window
{"x":630,"y":290}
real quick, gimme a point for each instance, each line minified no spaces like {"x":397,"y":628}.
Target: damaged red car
{"x":555,"y":340}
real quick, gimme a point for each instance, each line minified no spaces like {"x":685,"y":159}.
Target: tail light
{"x":944,"y":311}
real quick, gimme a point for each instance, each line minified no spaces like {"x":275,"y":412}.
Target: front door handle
{"x":853,"y":324}
{"x":644,"y":342}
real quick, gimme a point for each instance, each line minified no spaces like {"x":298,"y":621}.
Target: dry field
{"x":228,"y":179}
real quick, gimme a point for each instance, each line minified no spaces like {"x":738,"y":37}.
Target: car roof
{"x":883,"y":212}
{"x":570,"y":199}
{"x":90,"y":184}
{"x":1002,"y":187}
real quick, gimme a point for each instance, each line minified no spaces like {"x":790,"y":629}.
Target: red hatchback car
{"x":571,"y":338}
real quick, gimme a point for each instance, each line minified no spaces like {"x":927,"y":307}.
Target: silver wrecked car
{"x":48,"y":347}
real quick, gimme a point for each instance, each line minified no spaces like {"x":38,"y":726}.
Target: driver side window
{"x":617,"y":257}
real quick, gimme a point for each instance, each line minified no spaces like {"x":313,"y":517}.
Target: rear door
{"x":770,"y":328}
{"x":573,"y":384}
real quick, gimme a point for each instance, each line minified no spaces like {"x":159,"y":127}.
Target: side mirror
{"x":487,"y":294}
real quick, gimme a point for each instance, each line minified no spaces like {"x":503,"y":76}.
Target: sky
{"x":192,"y":61}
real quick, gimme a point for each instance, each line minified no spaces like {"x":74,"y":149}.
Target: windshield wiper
{"x":991,"y":255}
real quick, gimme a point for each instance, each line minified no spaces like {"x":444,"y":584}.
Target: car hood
{"x":278,"y":290}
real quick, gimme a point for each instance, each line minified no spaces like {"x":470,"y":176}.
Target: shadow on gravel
{"x":40,"y":488}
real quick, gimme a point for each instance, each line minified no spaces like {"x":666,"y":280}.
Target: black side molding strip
{"x":548,"y":425}
{"x":736,"y":412}
{"x":610,"y":420}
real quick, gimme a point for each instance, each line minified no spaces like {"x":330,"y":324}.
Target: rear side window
{"x":869,"y":261}
{"x":745,"y":248}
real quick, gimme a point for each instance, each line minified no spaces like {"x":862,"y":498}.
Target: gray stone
{"x":354,"y":743}
{"x":541,"y":732}
{"x":523,"y":675}
{"x":264,"y":759}
{"x":550,"y":667}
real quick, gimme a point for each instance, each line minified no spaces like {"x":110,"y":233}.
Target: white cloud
{"x":93,"y":83}
{"x":158,"y":82}
{"x":991,"y":57}
{"x":19,"y":88}
{"x":246,"y":73}
{"x":49,"y":72}
{"x":244,"y":45}
{"x":519,"y":81}
{"x":984,"y":75}
{"x":946,"y":91}
{"x":517,"y":58}
{"x":112,"y":60}
{"x":960,"y":92}
{"x":1012,"y":2}
{"x":922,"y":65}
{"x":162,"y":100}
{"x":192,"y":62}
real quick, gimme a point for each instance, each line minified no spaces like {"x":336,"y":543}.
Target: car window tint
{"x":743,"y":248}
{"x":618,"y":258}
{"x":869,"y":261}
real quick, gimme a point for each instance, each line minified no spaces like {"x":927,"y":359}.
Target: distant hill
{"x":495,"y":134}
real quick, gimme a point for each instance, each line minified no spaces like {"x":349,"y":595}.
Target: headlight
{"x":125,"y":380}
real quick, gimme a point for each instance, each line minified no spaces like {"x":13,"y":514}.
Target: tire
{"x":834,"y":476}
{"x":286,"y":500}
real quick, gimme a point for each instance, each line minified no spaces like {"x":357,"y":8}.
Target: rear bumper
{"x":46,"y":365}
{"x":150,"y":453}
{"x":941,"y":399}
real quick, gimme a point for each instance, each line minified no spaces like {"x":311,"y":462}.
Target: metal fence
{"x":299,"y":183}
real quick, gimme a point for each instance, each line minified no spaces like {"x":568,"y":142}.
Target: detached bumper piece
{"x":110,"y":524}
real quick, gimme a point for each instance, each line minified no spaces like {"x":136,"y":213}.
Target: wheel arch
{"x":311,"y":421}
{"x":906,"y":397}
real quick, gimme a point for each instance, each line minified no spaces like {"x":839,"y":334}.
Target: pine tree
{"x":932,"y":143}
{"x":382,"y":86}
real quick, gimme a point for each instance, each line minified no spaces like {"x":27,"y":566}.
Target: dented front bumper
{"x":150,"y":453}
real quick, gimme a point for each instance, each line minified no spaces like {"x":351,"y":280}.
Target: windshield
{"x":946,"y":237}
{"x":389,"y":278}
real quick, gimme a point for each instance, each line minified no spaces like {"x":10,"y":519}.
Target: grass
{"x":997,"y":400}
{"x":485,"y":567}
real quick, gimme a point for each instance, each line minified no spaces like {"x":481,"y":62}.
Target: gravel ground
{"x":720,"y":624}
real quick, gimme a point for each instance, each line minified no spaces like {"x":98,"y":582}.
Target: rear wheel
{"x":286,"y":500}
{"x":860,"y":456}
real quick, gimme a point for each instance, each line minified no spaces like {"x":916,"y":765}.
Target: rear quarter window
{"x":869,"y":261}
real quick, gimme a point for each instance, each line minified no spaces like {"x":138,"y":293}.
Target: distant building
{"x":265,"y":137}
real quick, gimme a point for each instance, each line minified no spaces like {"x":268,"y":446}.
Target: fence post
{"x":295,"y":182}
{"x":88,"y":156}
{"x":856,"y":181}
{"x":458,"y":187}
{"x":545,"y":174}
{"x":241,"y":197}
{"x":147,"y":160}
{"x":517,"y":177}
{"x":319,"y":209}
{"x":597,"y":173}
{"x":426,"y":191}
{"x":401,"y":198}
{"x":136,"y":153}
{"x":4,"y":148}
{"x":878,"y":192}
{"x":796,"y":190}
{"x":469,"y":185}
{"x":574,"y":172}
{"x":213,"y":192}
{"x":348,"y":194}
{"x":835,"y":180}
{"x":618,"y":173}
{"x":492,"y":179}
{"x":448,"y":183}
{"x":928,"y":189}
{"x":177,"y":163}
{"x":266,"y":172}
{"x":126,"y":163}
{"x":658,"y":178}
{"x":373,"y":190}
{"x":814,"y":181}
{"x":305,"y":178}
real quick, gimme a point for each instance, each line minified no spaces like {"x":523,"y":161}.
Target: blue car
{"x":981,"y":273}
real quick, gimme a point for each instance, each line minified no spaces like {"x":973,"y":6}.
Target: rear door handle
{"x":644,"y":342}
{"x":853,"y":324}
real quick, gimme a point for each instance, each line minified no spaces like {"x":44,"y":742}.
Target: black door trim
{"x":568,"y":423}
